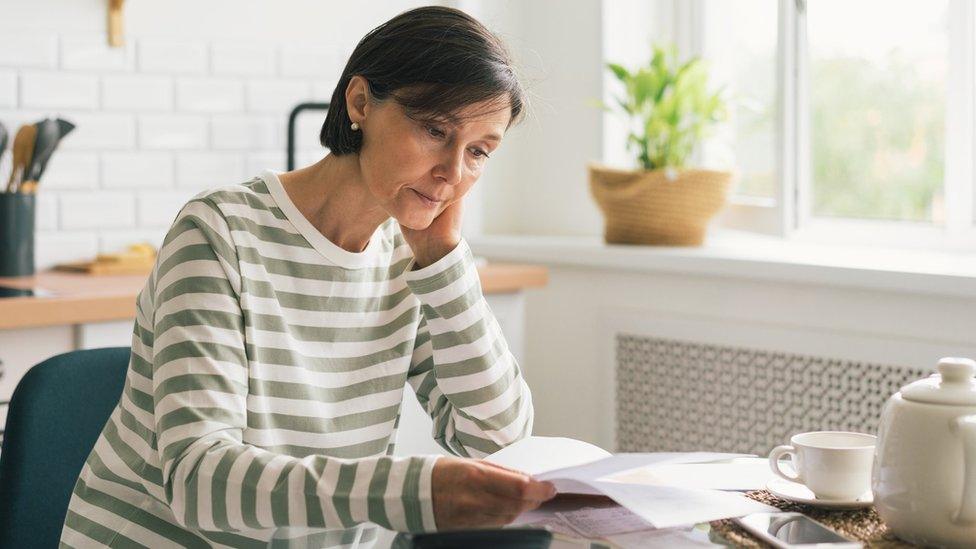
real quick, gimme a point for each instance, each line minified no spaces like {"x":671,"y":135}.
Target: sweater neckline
{"x":331,"y":251}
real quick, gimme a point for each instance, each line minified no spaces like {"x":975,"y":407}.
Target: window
{"x":850,"y":119}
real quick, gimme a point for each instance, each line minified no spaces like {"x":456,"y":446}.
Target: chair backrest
{"x":55,"y":416}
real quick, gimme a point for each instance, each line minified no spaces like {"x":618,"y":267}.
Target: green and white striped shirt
{"x":267,"y":371}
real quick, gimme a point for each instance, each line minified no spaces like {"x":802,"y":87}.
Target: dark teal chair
{"x":55,"y":416}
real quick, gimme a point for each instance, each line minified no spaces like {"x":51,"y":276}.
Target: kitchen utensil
{"x":48,"y":134}
{"x":924,"y":478}
{"x":23,"y":150}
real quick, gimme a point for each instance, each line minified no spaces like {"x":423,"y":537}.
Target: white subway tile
{"x":318,"y":61}
{"x":209,"y":95}
{"x":137,"y":169}
{"x":172,"y":56}
{"x":100,"y":131}
{"x":172,"y":132}
{"x":92,"y":52}
{"x":137,"y":93}
{"x":112,"y":241}
{"x":203,"y":170}
{"x":277,"y":96}
{"x":8,"y":89}
{"x":257,"y":162}
{"x":308,"y":156}
{"x":28,"y":49}
{"x":71,"y":170}
{"x":52,"y":248}
{"x":49,"y":90}
{"x":159,"y":208}
{"x":322,"y":90}
{"x":232,"y":132}
{"x":244,"y":58}
{"x":46,"y":214}
{"x":97,"y":209}
{"x":308,"y":126}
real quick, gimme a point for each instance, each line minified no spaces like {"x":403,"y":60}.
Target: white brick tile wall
{"x":159,"y":208}
{"x":49,"y":90}
{"x":312,"y":61}
{"x":174,"y":56}
{"x":97,"y":210}
{"x":277,"y":96}
{"x":173,"y":132}
{"x":92,"y":52}
{"x":209,"y":95}
{"x":46,"y":212}
{"x":157,"y":121}
{"x":8,"y":90}
{"x":137,"y":169}
{"x":99,"y":131}
{"x":111,"y":241}
{"x":51,"y":248}
{"x":202,"y":170}
{"x":137,"y":93}
{"x":233,"y":132}
{"x":258,"y":162}
{"x":71,"y":170}
{"x":246,"y":58}
{"x":28,"y":49}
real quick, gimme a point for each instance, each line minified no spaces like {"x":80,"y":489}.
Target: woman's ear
{"x":357,"y":98}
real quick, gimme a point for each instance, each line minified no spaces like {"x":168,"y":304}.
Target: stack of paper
{"x":664,"y":489}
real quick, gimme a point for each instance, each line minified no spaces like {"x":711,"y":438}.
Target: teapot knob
{"x":956,"y":370}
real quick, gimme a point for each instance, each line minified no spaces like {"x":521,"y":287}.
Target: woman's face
{"x":416,"y":169}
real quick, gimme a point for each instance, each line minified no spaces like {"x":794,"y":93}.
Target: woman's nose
{"x":451,"y":167}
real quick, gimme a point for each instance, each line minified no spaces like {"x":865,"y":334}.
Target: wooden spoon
{"x":23,"y":151}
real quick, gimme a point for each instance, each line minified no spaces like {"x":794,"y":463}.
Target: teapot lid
{"x":953,"y":385}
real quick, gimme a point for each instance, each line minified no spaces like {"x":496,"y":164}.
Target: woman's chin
{"x":417,"y":221}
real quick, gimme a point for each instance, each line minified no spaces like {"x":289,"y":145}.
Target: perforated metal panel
{"x":683,"y":396}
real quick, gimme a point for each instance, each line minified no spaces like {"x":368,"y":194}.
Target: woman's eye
{"x":434,"y":131}
{"x":479,"y":153}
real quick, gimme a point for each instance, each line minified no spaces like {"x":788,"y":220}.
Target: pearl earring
{"x":354,"y":126}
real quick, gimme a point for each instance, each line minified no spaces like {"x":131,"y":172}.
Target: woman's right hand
{"x":470,"y":493}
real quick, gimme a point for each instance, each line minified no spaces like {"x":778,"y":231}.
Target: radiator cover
{"x":675,"y":395}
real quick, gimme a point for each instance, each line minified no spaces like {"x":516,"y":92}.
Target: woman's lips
{"x":428,"y":201}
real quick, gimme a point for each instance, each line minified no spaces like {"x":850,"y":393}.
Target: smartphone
{"x":787,"y":530}
{"x":514,"y":538}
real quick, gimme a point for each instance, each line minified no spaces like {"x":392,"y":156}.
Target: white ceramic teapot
{"x":924,"y":477}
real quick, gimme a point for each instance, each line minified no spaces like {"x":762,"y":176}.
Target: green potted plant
{"x":669,"y":110}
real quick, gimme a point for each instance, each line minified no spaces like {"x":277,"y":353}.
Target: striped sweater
{"x":266,"y":377}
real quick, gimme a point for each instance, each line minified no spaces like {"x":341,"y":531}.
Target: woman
{"x":284,"y":316}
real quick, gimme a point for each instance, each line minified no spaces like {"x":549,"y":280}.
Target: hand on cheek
{"x":439,"y":238}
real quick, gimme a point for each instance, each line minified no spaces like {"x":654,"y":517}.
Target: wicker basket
{"x":648,"y":207}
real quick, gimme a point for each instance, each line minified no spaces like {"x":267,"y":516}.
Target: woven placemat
{"x":863,"y":525}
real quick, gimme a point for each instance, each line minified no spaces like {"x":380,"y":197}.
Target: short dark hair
{"x":433,"y":61}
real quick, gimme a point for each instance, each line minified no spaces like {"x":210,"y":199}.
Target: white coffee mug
{"x":832,"y":464}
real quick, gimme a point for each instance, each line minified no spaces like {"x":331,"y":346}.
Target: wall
{"x":196,"y":98}
{"x":570,"y":355}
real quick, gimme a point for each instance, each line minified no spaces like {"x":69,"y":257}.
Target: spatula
{"x":23,"y":151}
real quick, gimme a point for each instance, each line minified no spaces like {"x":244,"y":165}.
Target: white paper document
{"x":580,"y":468}
{"x":734,"y":474}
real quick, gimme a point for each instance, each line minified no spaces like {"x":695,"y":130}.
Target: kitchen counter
{"x":80,"y":299}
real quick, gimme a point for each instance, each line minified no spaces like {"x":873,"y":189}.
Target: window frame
{"x":788,"y":213}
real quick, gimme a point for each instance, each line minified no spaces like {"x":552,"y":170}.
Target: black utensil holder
{"x":17,"y":211}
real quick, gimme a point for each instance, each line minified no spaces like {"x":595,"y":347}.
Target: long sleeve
{"x":200,"y":385}
{"x":462,"y":370}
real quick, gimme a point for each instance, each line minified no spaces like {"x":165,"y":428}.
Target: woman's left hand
{"x":439,"y":238}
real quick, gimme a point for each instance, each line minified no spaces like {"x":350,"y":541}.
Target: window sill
{"x":735,"y":254}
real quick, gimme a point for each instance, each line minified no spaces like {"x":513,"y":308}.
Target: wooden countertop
{"x":79,"y":298}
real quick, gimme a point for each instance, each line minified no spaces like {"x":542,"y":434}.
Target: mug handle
{"x":779,"y":452}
